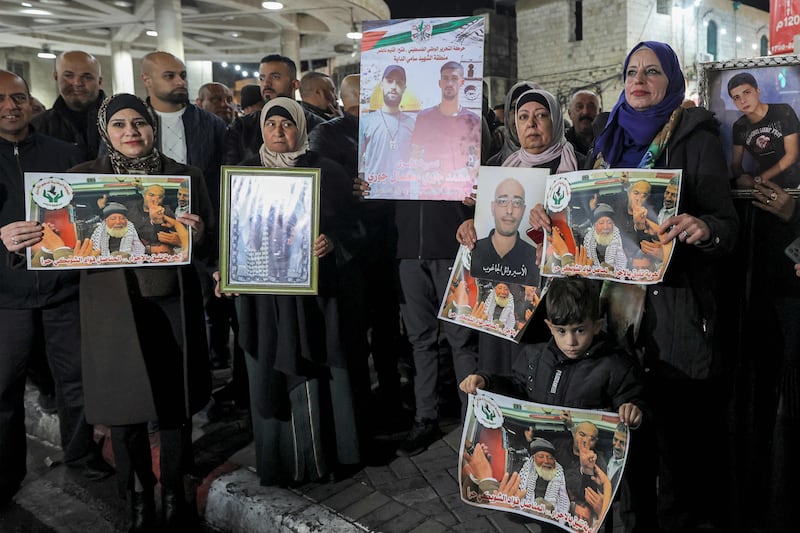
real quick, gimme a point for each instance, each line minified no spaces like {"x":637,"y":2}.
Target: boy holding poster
{"x":578,"y":367}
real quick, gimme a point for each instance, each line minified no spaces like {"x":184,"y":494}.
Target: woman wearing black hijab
{"x":143,"y":337}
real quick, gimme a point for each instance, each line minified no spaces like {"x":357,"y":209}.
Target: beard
{"x":117,"y":233}
{"x":604,"y":239}
{"x":392,"y":99}
{"x":176,"y":97}
{"x":501,"y":301}
{"x":546,"y":474}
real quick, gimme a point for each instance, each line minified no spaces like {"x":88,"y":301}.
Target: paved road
{"x":59,"y":499}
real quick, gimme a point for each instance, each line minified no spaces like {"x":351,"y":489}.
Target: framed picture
{"x":269,"y":220}
{"x":761,"y":143}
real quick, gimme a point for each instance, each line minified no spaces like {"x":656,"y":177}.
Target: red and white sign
{"x":784,"y":24}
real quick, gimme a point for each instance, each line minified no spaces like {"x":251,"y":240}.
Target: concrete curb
{"x":237,"y":502}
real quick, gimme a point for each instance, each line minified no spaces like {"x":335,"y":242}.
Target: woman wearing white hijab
{"x":301,"y":397}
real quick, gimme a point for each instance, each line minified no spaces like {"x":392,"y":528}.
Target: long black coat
{"x":131,"y":375}
{"x":295,"y":338}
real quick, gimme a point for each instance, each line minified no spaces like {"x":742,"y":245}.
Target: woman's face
{"x":535,"y":127}
{"x":130,"y":134}
{"x":280,"y":134}
{"x":645,"y":81}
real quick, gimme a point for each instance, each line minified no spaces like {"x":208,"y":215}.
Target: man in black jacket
{"x":73,"y":117}
{"x":192,"y":136}
{"x":337,"y":139}
{"x":33,"y":302}
{"x":277,"y":76}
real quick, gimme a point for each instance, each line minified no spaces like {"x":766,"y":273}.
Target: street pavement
{"x":389,"y":494}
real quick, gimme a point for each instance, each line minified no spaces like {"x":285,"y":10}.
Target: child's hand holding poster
{"x":607,"y":224}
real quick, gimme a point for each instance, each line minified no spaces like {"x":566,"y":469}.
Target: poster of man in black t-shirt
{"x":768,"y":132}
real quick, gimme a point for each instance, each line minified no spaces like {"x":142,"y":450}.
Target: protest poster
{"x":504,"y":250}
{"x":510,"y":447}
{"x":605,"y":223}
{"x":107,"y":220}
{"x":421,"y":98}
{"x":499,"y":308}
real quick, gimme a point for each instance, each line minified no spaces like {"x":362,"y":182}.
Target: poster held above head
{"x":420,"y":140}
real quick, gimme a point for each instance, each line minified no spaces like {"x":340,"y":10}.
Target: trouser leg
{"x":423,"y":284}
{"x":61,"y":326}
{"x":16,"y":327}
{"x":132,"y":457}
{"x":173,"y":457}
{"x":383,"y":317}
{"x":419,"y":308}
{"x":463,"y":341}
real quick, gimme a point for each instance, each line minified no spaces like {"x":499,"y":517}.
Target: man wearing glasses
{"x":503,"y":255}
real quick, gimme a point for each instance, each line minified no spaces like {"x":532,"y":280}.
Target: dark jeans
{"x":132,"y":456}
{"x":423,"y":283}
{"x":60,"y":325}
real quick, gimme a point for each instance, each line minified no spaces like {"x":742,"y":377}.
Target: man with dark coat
{"x":191,"y":136}
{"x":337,"y":139}
{"x":73,"y":117}
{"x":32,"y":301}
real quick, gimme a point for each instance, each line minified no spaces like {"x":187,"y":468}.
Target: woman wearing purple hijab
{"x":678,"y":341}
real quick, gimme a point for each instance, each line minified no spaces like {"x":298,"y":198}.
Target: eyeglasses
{"x":503,"y":201}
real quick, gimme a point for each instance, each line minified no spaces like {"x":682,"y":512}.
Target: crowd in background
{"x":303,"y":365}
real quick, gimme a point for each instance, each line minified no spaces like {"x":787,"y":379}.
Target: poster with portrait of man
{"x":757,"y":101}
{"x":518,"y":456}
{"x":606,"y":224}
{"x":420,"y":117}
{"x":499,"y":308}
{"x":504,"y":251}
{"x":108,"y":220}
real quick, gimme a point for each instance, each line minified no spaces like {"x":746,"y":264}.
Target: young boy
{"x":579,"y":367}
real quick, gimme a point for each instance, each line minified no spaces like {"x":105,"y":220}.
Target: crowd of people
{"x":122,"y":344}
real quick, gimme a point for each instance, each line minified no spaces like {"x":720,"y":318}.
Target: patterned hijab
{"x":288,"y":108}
{"x":559,"y":146}
{"x":629,"y":133}
{"x":122,"y":164}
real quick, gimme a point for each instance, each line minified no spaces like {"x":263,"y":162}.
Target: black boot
{"x":143,"y":512}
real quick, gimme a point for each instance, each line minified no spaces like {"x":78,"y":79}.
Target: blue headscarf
{"x":628,"y":133}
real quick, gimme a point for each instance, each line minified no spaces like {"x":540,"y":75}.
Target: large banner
{"x":784,"y":24}
{"x":605,"y":223}
{"x":102,"y":221}
{"x":519,"y":456}
{"x":420,"y":124}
